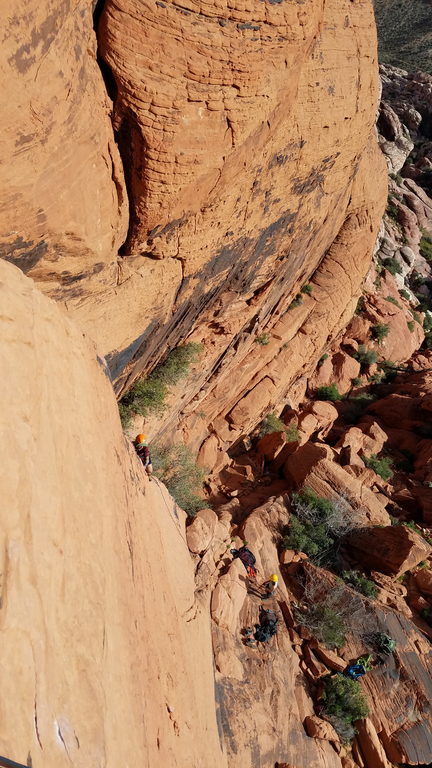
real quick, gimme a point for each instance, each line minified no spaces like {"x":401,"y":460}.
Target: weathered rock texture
{"x":105,"y":656}
{"x":63,"y":202}
{"x":247,"y":139}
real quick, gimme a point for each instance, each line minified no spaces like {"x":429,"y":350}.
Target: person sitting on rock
{"x":143,"y":453}
{"x":270,"y":586}
{"x":265,"y":630}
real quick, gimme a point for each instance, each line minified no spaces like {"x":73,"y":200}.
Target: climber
{"x":270,"y":586}
{"x":248,"y":559}
{"x":264,"y":630}
{"x":143,"y":453}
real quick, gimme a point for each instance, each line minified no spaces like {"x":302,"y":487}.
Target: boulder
{"x":200,"y":532}
{"x":317,"y":728}
{"x":228,"y":597}
{"x":312,"y":465}
{"x":392,"y":550}
{"x":370,"y":745}
{"x":423,"y":581}
{"x":271,"y":445}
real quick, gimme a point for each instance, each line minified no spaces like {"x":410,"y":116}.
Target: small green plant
{"x":306,"y":288}
{"x":426,"y":247}
{"x":392,"y":266}
{"x":270,"y":424}
{"x":360,"y":583}
{"x":292,"y":434}
{"x":322,"y":359}
{"x":394,"y":301}
{"x":376,"y":378}
{"x":426,"y":614}
{"x":409,"y":524}
{"x":329,"y":392}
{"x":381,"y":467}
{"x":416,"y":317}
{"x":411,"y":325}
{"x":365,"y":356}
{"x":427,"y":322}
{"x":356,"y":381}
{"x":296,"y":302}
{"x":423,"y":564}
{"x":176,"y":468}
{"x":360,"y":305}
{"x":380,"y":331}
{"x":391,"y":210}
{"x":404,"y":293}
{"x":262,"y":339}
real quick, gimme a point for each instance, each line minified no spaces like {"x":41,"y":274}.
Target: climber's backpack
{"x":267,"y":627}
{"x":246,"y":556}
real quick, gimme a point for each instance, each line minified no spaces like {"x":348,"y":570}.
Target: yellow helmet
{"x":274,"y":577}
{"x":140,"y":439}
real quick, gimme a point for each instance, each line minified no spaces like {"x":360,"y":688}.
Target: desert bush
{"x":149,"y":395}
{"x":380,"y":331}
{"x":360,"y":583}
{"x":356,"y":381}
{"x":270,"y":424}
{"x":306,"y":288}
{"x":317,"y":526}
{"x":344,"y":701}
{"x":391,"y":300}
{"x":296,"y":302}
{"x":411,"y":326}
{"x":416,"y":317}
{"x":322,"y":359}
{"x":392,"y":266}
{"x":262,"y":339}
{"x":176,"y":468}
{"x":404,"y":293}
{"x":329,"y":392}
{"x":426,"y":247}
{"x":381,"y":467}
{"x":365,"y":356}
{"x":325,"y":624}
{"x":292,"y":434}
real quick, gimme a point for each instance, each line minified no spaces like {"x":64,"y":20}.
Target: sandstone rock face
{"x":63,"y":199}
{"x":392,"y":550}
{"x":106,"y":657}
{"x":247,"y":139}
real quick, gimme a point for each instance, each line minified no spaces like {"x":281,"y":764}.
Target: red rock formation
{"x":391,"y":550}
{"x":106,"y":656}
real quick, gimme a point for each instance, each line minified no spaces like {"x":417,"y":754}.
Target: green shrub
{"x":324,"y":623}
{"x":306,"y":288}
{"x":356,"y":381}
{"x":365,"y":356}
{"x":316,"y":526}
{"x":262,"y":339}
{"x":176,"y":468}
{"x":292,"y":434}
{"x":416,"y":317}
{"x":404,"y":294}
{"x":329,"y":392}
{"x":426,"y":247}
{"x":270,"y":424}
{"x":393,"y":300}
{"x":411,"y":325}
{"x":376,"y":378}
{"x":392,"y":266}
{"x":427,"y":322}
{"x":344,"y":700}
{"x":426,"y":614}
{"x":381,"y":467}
{"x":380,"y":331}
{"x":391,"y":210}
{"x":149,"y":395}
{"x":322,"y":359}
{"x":296,"y":302}
{"x":360,"y":305}
{"x":360,"y":583}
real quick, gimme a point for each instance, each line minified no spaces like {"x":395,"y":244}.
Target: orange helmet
{"x":140,"y":439}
